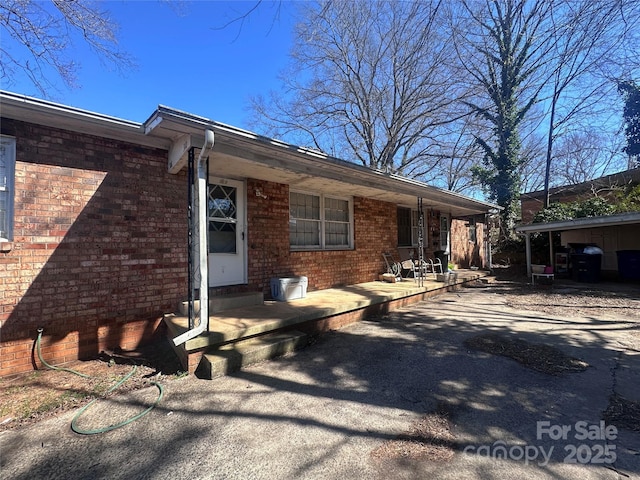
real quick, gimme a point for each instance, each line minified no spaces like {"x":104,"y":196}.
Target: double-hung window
{"x":7,"y":182}
{"x":320,"y":222}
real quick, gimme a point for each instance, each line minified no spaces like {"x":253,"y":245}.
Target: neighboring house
{"x":611,"y":233}
{"x":532,"y":202}
{"x":618,"y":236}
{"x":94,"y":222}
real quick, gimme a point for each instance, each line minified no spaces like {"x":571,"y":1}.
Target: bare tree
{"x":238,"y":17}
{"x":532,"y":165}
{"x":370,"y":82}
{"x":38,"y":37}
{"x":503,"y":46}
{"x":456,"y":153}
{"x":587,"y":39}
{"x":584,"y":155}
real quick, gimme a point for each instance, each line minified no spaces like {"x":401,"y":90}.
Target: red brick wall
{"x":531,"y":205}
{"x":268,"y":242}
{"x":99,"y":251}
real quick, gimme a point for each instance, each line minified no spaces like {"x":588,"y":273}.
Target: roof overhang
{"x":242,"y":154}
{"x":51,"y":114}
{"x":580,"y":223}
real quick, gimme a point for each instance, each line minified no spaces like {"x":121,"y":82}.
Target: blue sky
{"x":184,"y":62}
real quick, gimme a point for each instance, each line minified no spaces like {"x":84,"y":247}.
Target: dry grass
{"x":429,"y":438}
{"x":29,"y":398}
{"x":539,"y":357}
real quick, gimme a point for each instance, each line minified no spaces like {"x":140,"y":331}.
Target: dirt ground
{"x":32,"y":397}
{"x":35,"y":396}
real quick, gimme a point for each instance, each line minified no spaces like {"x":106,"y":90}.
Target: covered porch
{"x":251,"y":333}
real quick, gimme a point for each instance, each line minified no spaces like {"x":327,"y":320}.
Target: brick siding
{"x":99,"y":250}
{"x":465,"y":252}
{"x":270,"y":255}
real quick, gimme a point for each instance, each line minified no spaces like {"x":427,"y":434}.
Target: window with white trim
{"x":7,"y":182}
{"x":319,"y":222}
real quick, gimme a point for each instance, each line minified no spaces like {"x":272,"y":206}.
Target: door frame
{"x":241,"y":233}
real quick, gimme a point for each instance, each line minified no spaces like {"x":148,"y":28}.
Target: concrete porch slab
{"x":233,"y":324}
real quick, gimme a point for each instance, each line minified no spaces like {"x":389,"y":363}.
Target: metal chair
{"x":393,"y":266}
{"x":421,"y":268}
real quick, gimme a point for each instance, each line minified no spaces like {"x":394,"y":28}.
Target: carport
{"x":611,"y":233}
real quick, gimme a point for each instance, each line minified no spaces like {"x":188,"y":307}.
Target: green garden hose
{"x":42,"y":360}
{"x":74,"y":425}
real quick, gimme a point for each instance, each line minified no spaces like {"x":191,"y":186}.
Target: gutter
{"x":202,"y":247}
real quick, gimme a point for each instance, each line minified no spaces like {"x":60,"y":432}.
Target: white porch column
{"x":527,"y":240}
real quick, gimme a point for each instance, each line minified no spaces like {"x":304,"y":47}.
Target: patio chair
{"x":547,"y":275}
{"x":393,"y":266}
{"x":421,"y":268}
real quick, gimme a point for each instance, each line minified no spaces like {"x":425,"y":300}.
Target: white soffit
{"x":580,"y":223}
{"x":241,"y":154}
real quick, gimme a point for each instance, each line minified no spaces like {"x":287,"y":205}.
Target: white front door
{"x":227,"y":250}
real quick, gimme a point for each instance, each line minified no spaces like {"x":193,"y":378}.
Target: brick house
{"x":612,"y":234}
{"x":532,"y":202}
{"x":94,"y":223}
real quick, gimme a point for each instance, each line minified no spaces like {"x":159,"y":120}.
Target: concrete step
{"x":232,"y":357}
{"x":219,"y":303}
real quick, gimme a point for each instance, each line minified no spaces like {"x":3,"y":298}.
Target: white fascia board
{"x":43,"y":112}
{"x":578,"y":223}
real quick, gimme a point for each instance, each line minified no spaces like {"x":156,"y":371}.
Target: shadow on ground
{"x":369,"y":385}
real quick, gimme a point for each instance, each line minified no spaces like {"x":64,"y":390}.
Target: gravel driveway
{"x":394,"y":397}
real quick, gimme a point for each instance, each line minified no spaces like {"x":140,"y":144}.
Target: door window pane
{"x":222,"y":202}
{"x":223,"y":213}
{"x":222,"y":237}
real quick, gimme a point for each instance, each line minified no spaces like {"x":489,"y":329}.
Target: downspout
{"x":203,"y":248}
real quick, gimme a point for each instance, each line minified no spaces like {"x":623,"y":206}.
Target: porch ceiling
{"x":225,"y":165}
{"x":241,"y":154}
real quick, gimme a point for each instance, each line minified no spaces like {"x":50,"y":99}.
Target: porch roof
{"x":580,"y":223}
{"x":239,"y":153}
{"x":576,"y":224}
